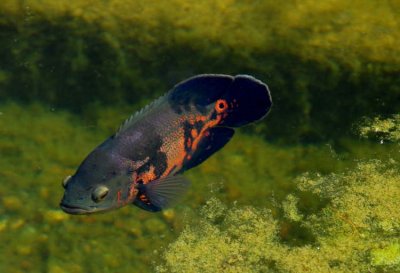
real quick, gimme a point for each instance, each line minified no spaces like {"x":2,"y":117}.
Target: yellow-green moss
{"x":237,"y":244}
{"x":385,"y":129}
{"x":356,"y":30}
{"x":353,"y":233}
{"x":290,"y":208}
{"x":386,"y":256}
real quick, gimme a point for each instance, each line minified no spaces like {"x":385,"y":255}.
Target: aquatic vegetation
{"x":355,"y":228}
{"x":238,"y":244}
{"x":71,"y":54}
{"x":385,"y":129}
{"x":357,"y":231}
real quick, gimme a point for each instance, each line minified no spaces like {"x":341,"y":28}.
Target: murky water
{"x":71,"y":73}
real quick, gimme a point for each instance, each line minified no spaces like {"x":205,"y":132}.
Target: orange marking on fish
{"x":132,"y":190}
{"x":194,"y":133}
{"x":143,"y":198}
{"x":148,"y":176}
{"x":201,"y":118}
{"x":193,"y":119}
{"x":132,"y":193}
{"x":174,"y":148}
{"x":203,"y":131}
{"x":119,"y":197}
{"x":174,"y":145}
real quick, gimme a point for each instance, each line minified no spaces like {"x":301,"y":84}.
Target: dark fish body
{"x":142,"y":162}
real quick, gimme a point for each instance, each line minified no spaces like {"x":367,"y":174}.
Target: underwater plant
{"x":385,"y":129}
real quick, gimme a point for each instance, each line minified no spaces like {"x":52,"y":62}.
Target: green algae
{"x":315,"y":56}
{"x":235,"y":245}
{"x":290,"y":208}
{"x":386,"y":256}
{"x":357,"y":231}
{"x":386,"y":129}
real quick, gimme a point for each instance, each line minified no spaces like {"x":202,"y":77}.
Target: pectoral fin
{"x":161,"y":193}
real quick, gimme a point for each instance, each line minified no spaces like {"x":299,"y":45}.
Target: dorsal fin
{"x":139,"y":115}
{"x":201,"y":89}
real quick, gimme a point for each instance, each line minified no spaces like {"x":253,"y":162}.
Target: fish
{"x":144,"y":161}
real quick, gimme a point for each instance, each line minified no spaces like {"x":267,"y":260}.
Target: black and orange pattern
{"x":175,"y":133}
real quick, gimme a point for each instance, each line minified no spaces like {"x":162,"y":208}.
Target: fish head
{"x":98,"y":186}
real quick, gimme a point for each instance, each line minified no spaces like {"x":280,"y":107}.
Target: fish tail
{"x":239,"y":100}
{"x":220,"y":102}
{"x":247,"y":100}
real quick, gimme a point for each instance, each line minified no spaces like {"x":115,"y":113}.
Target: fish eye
{"x":99,"y":193}
{"x":65,"y":181}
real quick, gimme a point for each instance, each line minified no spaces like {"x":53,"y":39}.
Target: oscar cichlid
{"x":143,"y":162}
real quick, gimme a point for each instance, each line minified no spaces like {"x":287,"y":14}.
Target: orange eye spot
{"x":221,"y":106}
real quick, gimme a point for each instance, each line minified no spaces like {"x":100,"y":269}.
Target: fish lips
{"x":75,"y":209}
{"x":80,"y":210}
{"x":67,"y":207}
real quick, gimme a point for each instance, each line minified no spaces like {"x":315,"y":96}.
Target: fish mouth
{"x":75,"y":209}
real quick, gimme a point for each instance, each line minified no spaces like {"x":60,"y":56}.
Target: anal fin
{"x":146,"y":205}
